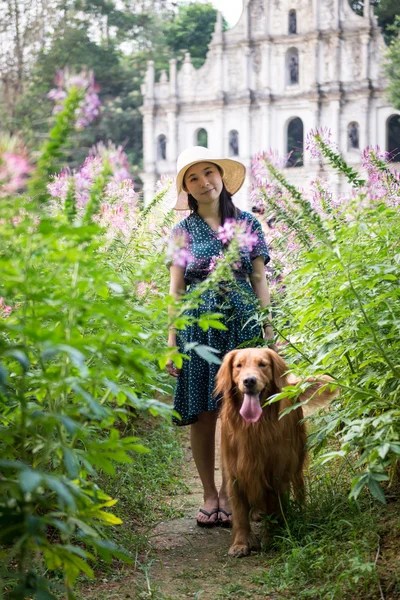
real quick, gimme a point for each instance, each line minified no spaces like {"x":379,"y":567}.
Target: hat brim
{"x":233,"y":176}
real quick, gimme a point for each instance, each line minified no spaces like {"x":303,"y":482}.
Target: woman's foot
{"x":208,"y":514}
{"x":224,"y":512}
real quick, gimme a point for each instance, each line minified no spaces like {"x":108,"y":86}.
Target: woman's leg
{"x":202,"y":438}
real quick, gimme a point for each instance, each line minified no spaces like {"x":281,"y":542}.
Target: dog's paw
{"x":239,"y":550}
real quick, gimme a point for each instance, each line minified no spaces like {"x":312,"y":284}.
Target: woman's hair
{"x":227,"y":210}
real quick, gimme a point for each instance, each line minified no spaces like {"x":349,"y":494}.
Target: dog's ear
{"x":224,"y":381}
{"x":279,"y":368}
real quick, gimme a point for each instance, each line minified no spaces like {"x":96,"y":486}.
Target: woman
{"x":205,"y":185}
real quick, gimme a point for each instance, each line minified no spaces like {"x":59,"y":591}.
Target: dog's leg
{"x":241,"y":524}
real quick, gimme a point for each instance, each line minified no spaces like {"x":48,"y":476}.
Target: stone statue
{"x":234,"y":143}
{"x":292,"y":22}
{"x":353,"y":136}
{"x":162,"y":147}
{"x":294,"y":69}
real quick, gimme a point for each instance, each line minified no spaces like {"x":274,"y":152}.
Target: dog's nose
{"x":250,"y":381}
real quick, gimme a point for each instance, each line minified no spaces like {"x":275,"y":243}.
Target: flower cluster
{"x":118,"y":207}
{"x":315,"y":138}
{"x":382,"y":183}
{"x":214,"y":262}
{"x":144,"y":288}
{"x":178,"y":252}
{"x":240,"y":231}
{"x":5,"y":310}
{"x":14,"y":169}
{"x":89,"y":108}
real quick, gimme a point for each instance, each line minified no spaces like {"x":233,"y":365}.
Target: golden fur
{"x":262,"y":460}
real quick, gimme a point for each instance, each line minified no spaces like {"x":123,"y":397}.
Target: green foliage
{"x":329,"y":547}
{"x":340,"y":312}
{"x":76,"y":352}
{"x":392,"y":67}
{"x":191,"y":31}
{"x":83,"y":328}
{"x":53,"y":151}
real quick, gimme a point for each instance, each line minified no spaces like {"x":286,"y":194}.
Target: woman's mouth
{"x":208,"y":191}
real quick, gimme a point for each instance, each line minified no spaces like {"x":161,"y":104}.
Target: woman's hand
{"x":269,"y":337}
{"x":172,"y":369}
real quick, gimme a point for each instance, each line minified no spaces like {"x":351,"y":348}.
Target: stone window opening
{"x":292,"y":66}
{"x":162,"y":147}
{"x":353,"y":136}
{"x":393,"y":137}
{"x":295,"y":143}
{"x":201,"y":138}
{"x":233,"y":143}
{"x":292,"y":22}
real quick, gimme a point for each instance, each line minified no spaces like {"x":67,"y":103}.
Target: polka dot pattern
{"x":237,"y":303}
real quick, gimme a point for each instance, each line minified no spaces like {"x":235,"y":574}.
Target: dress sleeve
{"x":260,"y":248}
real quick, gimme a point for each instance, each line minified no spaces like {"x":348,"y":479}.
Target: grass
{"x":329,"y":549}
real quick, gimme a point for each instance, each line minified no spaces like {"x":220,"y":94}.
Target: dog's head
{"x":252,"y":375}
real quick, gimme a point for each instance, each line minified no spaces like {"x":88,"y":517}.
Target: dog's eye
{"x":238,"y":366}
{"x":262,"y":364}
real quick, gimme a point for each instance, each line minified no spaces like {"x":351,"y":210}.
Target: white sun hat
{"x":233,"y":172}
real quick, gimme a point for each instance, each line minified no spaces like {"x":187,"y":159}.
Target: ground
{"x":187,"y":561}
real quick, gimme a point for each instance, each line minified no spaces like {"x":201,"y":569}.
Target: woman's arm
{"x":176,"y":289}
{"x":260,"y":287}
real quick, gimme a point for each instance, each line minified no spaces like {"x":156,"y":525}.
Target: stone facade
{"x":288,"y":66}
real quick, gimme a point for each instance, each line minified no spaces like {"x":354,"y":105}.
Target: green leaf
{"x":208,"y":354}
{"x":29,"y":480}
{"x":376,"y":490}
{"x":20,"y":357}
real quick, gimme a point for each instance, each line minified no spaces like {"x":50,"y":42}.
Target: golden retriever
{"x":263,"y":456}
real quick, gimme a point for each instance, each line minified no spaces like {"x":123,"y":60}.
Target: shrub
{"x":338,"y":308}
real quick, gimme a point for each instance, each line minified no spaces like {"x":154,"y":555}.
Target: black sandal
{"x":226,"y":522}
{"x":208,"y":514}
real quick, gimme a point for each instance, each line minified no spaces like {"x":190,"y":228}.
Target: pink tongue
{"x":251,"y":409}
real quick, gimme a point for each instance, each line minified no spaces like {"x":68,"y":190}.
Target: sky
{"x":231,"y":9}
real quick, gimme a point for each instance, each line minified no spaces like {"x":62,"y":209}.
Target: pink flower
{"x":5,"y":310}
{"x":178,"y":249}
{"x":89,"y":108}
{"x":226,"y":232}
{"x":214,"y":262}
{"x":247,"y":239}
{"x":14,"y":169}
{"x":314,"y":139}
{"x":141,"y":289}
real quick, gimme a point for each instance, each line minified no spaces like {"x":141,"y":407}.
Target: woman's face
{"x":204,"y":182}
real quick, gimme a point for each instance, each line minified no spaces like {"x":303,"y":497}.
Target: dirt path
{"x":188,"y":561}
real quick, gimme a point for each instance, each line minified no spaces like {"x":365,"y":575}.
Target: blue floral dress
{"x":236,"y":301}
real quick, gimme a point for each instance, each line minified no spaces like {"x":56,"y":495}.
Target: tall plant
{"x":81,"y":321}
{"x":337,"y":307}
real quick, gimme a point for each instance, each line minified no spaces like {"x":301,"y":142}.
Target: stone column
{"x":172,"y":111}
{"x":365,"y":67}
{"x":367,"y":10}
{"x":149,"y":142}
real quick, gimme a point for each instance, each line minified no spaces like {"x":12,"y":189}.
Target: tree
{"x":393,"y":68}
{"x":191,"y":30}
{"x":385,"y":10}
{"x":23,"y":28}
